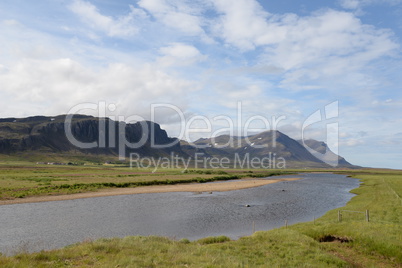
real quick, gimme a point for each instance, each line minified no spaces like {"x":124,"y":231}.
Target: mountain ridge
{"x":49,"y":133}
{"x":262,"y":144}
{"x":44,"y":134}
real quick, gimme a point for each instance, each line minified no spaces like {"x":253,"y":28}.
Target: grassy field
{"x":353,"y":242}
{"x":20,"y":180}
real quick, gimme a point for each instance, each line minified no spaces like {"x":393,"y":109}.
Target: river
{"x":49,"y":225}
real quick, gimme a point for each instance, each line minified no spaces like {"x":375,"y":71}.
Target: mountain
{"x":268,"y":143}
{"x":104,"y":137}
{"x":48,"y":134}
{"x":322,"y":150}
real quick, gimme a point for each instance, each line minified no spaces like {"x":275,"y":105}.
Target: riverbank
{"x":322,"y":243}
{"x":220,"y":186}
{"x":20,"y":182}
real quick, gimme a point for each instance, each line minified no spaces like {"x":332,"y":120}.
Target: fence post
{"x":367,"y":215}
{"x":286,"y":223}
{"x":339,"y":216}
{"x":253,"y":227}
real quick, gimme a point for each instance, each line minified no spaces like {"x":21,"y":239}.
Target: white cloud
{"x":255,"y":99}
{"x":243,"y":23}
{"x":350,"y":4}
{"x":351,"y":142}
{"x":178,"y":50}
{"x":19,"y":41}
{"x":320,"y":49}
{"x":330,"y":36}
{"x":326,"y":42}
{"x":55,"y":86}
{"x":180,"y":54}
{"x":180,"y":15}
{"x":123,"y":26}
{"x":358,"y":4}
{"x":307,"y":51}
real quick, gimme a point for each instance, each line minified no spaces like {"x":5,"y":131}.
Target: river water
{"x":55,"y":224}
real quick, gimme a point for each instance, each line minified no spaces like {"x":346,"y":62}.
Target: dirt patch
{"x":334,"y":238}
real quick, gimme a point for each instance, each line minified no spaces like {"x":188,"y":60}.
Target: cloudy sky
{"x":278,"y":60}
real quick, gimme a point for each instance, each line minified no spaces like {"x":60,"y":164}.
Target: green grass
{"x":276,"y":249}
{"x":20,"y":180}
{"x":380,"y":193}
{"x":377,"y":243}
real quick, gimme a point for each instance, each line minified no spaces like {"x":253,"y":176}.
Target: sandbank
{"x":192,"y":187}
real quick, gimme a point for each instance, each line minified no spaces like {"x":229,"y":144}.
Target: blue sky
{"x":278,"y":58}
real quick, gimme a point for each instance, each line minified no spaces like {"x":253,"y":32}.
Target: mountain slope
{"x":322,"y":150}
{"x":48,"y":134}
{"x":265,"y":144}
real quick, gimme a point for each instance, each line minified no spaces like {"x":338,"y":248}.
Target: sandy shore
{"x":193,"y":187}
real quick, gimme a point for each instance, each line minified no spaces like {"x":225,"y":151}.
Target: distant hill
{"x":261,"y":145}
{"x":42,"y":135}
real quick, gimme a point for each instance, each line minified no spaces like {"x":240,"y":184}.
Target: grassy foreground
{"x":323,"y":243}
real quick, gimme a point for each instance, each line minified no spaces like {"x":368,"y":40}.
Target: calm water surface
{"x":49,"y":225}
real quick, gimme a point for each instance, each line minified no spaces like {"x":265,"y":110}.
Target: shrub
{"x":213,"y":240}
{"x":185,"y":241}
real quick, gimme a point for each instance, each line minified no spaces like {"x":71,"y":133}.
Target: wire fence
{"x":342,"y":213}
{"x":353,"y":215}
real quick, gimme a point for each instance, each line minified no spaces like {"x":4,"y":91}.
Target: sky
{"x":240,"y":64}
